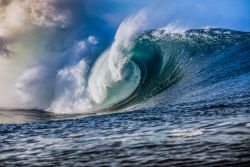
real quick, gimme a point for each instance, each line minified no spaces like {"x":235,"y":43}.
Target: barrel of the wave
{"x":131,"y":75}
{"x":159,"y":68}
{"x":113,"y":80}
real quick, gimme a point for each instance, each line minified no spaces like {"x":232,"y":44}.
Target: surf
{"x":155,"y":61}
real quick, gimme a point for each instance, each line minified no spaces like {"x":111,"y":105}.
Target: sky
{"x":39,"y":38}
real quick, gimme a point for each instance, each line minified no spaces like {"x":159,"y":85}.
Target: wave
{"x":148,"y":64}
{"x":139,"y":64}
{"x":155,"y":61}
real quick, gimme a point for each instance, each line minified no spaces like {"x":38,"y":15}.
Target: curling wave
{"x":139,"y":65}
{"x":152,"y":62}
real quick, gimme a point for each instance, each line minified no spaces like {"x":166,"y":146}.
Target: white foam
{"x":92,"y":40}
{"x":173,"y":28}
{"x":248,"y":125}
{"x":71,"y":94}
{"x":190,"y":132}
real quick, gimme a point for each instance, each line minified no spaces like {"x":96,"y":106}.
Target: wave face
{"x":156,"y":60}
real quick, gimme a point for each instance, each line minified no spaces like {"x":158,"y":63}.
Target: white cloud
{"x":17,"y":16}
{"x":46,"y":14}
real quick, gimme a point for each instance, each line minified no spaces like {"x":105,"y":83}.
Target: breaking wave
{"x":139,"y":65}
{"x":153,"y":61}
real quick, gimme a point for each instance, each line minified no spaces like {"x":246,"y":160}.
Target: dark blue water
{"x":195,"y":134}
{"x":200,"y":119}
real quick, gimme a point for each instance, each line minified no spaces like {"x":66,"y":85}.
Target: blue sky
{"x":232,"y":14}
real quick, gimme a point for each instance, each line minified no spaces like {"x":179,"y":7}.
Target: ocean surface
{"x":172,"y":99}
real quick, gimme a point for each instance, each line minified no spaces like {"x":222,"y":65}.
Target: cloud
{"x":46,"y":13}
{"x":18,"y":16}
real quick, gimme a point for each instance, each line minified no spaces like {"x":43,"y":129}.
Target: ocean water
{"x":171,"y":99}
